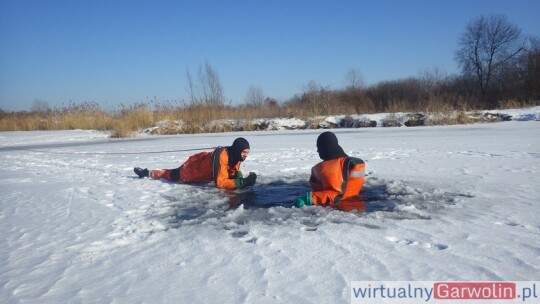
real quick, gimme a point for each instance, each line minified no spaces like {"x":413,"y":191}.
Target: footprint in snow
{"x":309,"y":225}
{"x":243,"y":235}
{"x":416,"y":243}
{"x":238,"y":234}
{"x":514,"y":224}
{"x":437,"y":246}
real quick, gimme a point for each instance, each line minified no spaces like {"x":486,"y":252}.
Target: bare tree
{"x":191,"y":87}
{"x":209,"y":89}
{"x":213,"y":89}
{"x":487,"y":47}
{"x":40,"y":106}
{"x":353,"y":79}
{"x":318,"y":98}
{"x":354,"y":94}
{"x":532,"y":69}
{"x":432,"y":79}
{"x":255,"y":96}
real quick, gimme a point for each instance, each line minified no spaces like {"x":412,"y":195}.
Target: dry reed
{"x":202,"y":117}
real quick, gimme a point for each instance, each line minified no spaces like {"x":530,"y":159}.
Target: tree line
{"x":499,"y":66}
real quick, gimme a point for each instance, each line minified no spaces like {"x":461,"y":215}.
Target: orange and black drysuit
{"x":222,"y":166}
{"x":337,"y":180}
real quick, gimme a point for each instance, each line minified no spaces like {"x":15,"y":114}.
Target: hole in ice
{"x":271,"y":203}
{"x":274,"y":194}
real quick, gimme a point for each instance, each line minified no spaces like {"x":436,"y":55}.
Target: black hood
{"x":328,"y":147}
{"x":235,"y":151}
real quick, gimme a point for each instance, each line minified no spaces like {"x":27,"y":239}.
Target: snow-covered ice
{"x":444,"y":203}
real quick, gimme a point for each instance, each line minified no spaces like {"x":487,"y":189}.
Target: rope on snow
{"x":106,"y":153}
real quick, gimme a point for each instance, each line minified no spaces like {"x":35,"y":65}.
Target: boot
{"x":141,"y":172}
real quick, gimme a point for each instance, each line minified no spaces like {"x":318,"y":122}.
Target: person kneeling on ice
{"x":222,"y":166}
{"x":337,"y":180}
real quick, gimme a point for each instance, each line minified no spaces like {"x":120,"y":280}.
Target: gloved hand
{"x":238,"y":174}
{"x":246,"y":182}
{"x":250,"y":180}
{"x":304,"y":200}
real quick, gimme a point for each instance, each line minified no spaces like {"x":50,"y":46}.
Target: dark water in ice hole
{"x":265,"y":203}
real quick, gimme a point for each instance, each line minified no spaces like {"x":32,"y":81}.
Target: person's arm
{"x":223,"y":181}
{"x":325,"y":187}
{"x":325,"y":197}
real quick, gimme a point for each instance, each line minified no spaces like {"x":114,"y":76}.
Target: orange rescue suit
{"x":338,"y":182}
{"x":203,"y":167}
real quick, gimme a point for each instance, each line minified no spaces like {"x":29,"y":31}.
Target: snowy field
{"x":444,"y":203}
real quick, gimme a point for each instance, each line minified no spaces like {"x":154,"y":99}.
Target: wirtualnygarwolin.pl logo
{"x":413,"y":292}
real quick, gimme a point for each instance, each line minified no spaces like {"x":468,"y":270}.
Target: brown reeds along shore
{"x":182,"y":118}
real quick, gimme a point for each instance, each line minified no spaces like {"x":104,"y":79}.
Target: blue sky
{"x":121,"y":52}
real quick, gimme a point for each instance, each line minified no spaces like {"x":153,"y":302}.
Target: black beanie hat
{"x":328,"y":147}
{"x":240,"y":144}
{"x":235,"y":151}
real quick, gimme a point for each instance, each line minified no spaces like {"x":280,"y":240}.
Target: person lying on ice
{"x":337,"y":180}
{"x":222,"y":166}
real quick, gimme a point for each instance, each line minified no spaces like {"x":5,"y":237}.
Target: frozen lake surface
{"x":444,"y":203}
